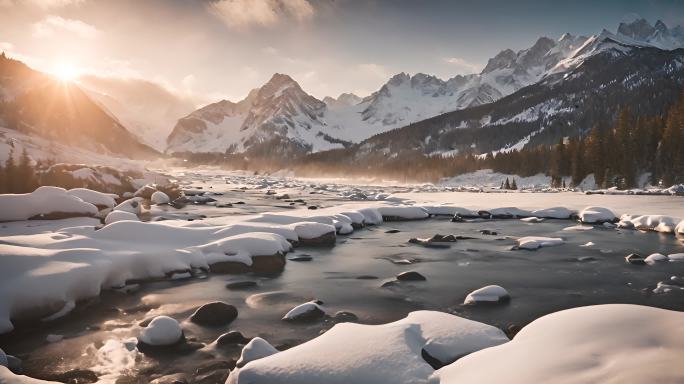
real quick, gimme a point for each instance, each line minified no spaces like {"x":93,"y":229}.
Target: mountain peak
{"x":277,"y":84}
{"x":660,"y":26}
{"x":639,"y":29}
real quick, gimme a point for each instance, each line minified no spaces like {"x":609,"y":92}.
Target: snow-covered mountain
{"x":300,"y":121}
{"x":35,"y":104}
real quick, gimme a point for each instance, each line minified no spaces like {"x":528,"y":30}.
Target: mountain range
{"x":555,"y":88}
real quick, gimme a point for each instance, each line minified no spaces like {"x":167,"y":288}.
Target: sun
{"x":66,"y":72}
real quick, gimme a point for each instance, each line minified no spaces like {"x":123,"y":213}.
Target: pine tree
{"x":27,"y":181}
{"x":502,"y":185}
{"x":11,"y":173}
{"x":514,"y":185}
{"x":507,"y":185}
{"x":564,"y":184}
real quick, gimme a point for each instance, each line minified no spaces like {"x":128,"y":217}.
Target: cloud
{"x":462,"y":63}
{"x":54,"y":24}
{"x":245,"y":13}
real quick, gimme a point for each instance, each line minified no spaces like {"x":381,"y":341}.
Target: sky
{"x":206,"y":50}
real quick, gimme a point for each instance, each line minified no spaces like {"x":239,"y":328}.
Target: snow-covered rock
{"x":256,"y":349}
{"x":159,"y":197}
{"x":43,"y":202}
{"x":305,"y":311}
{"x":132,"y":205}
{"x":655,"y":258}
{"x":488,"y":294}
{"x":532,"y":219}
{"x":161,"y":331}
{"x":554,"y":213}
{"x":596,"y":215}
{"x":402,"y":213}
{"x":535,"y":242}
{"x":98,"y":199}
{"x":115,"y":216}
{"x":657,"y":223}
{"x":390,"y":353}
{"x":594,"y":344}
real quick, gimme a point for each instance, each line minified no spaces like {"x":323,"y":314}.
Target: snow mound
{"x":594,"y":344}
{"x":535,"y":242}
{"x":162,"y":330}
{"x":43,"y":201}
{"x":114,"y":216}
{"x":256,"y":349}
{"x":657,"y":223}
{"x":98,"y":199}
{"x":490,"y":293}
{"x":596,"y":215}
{"x":554,"y":213}
{"x":380,"y":354}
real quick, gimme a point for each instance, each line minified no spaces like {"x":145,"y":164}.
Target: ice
{"x":594,"y":344}
{"x":390,"y":353}
{"x":162,"y":330}
{"x":535,"y":242}
{"x":256,"y":349}
{"x":43,"y":201}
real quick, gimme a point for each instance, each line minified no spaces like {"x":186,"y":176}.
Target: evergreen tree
{"x":11,"y":174}
{"x":27,"y":181}
{"x":514,"y":185}
{"x":502,"y":185}
{"x":507,"y":185}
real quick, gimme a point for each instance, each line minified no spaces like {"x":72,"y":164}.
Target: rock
{"x":488,"y":294}
{"x":176,"y":378}
{"x":14,"y":364}
{"x":215,"y":366}
{"x":488,"y":232}
{"x":367,"y":277}
{"x":224,"y":205}
{"x":325,"y":240}
{"x":427,"y":243}
{"x":305,"y":312}
{"x":484,"y":214}
{"x":237,"y":285}
{"x":457,"y":219}
{"x":283,"y":196}
{"x":301,"y":258}
{"x":3,"y":359}
{"x":312,"y":207}
{"x":344,"y":317}
{"x":410,"y":276}
{"x":389,"y":284}
{"x":231,"y":338}
{"x":635,"y":258}
{"x":161,"y":331}
{"x":655,"y":258}
{"x":392,"y":231}
{"x":75,"y":376}
{"x":159,"y":197}
{"x":260,"y":265}
{"x":256,"y":349}
{"x":146,"y":191}
{"x":214,"y":314}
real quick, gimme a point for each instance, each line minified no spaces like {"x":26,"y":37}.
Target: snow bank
{"x":595,"y":344}
{"x":390,"y":353}
{"x":43,"y":201}
{"x":657,"y":223}
{"x":402,"y":213}
{"x":535,"y":242}
{"x":490,"y":293}
{"x":596,"y":215}
{"x":162,"y":330}
{"x":256,"y":349}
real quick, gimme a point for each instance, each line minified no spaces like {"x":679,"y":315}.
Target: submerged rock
{"x":231,"y":338}
{"x":410,"y":276}
{"x":236,"y":285}
{"x":214,"y":314}
{"x":635,"y":258}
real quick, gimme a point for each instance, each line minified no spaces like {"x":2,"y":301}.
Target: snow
{"x":7,"y":377}
{"x":489,"y":178}
{"x":93,"y":197}
{"x":256,"y":349}
{"x":302,"y":309}
{"x":115,"y":216}
{"x":535,"y":242}
{"x":656,"y":257}
{"x":159,"y":197}
{"x":447,"y":210}
{"x":532,"y":219}
{"x":490,"y":293}
{"x":389,"y":353}
{"x":43,"y":201}
{"x":131,"y":205}
{"x":404,"y":213}
{"x":657,"y":223}
{"x":594,"y":344}
{"x":596,"y":215}
{"x":162,"y":330}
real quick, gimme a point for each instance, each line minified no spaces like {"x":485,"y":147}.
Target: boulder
{"x":410,"y":276}
{"x":214,"y":314}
